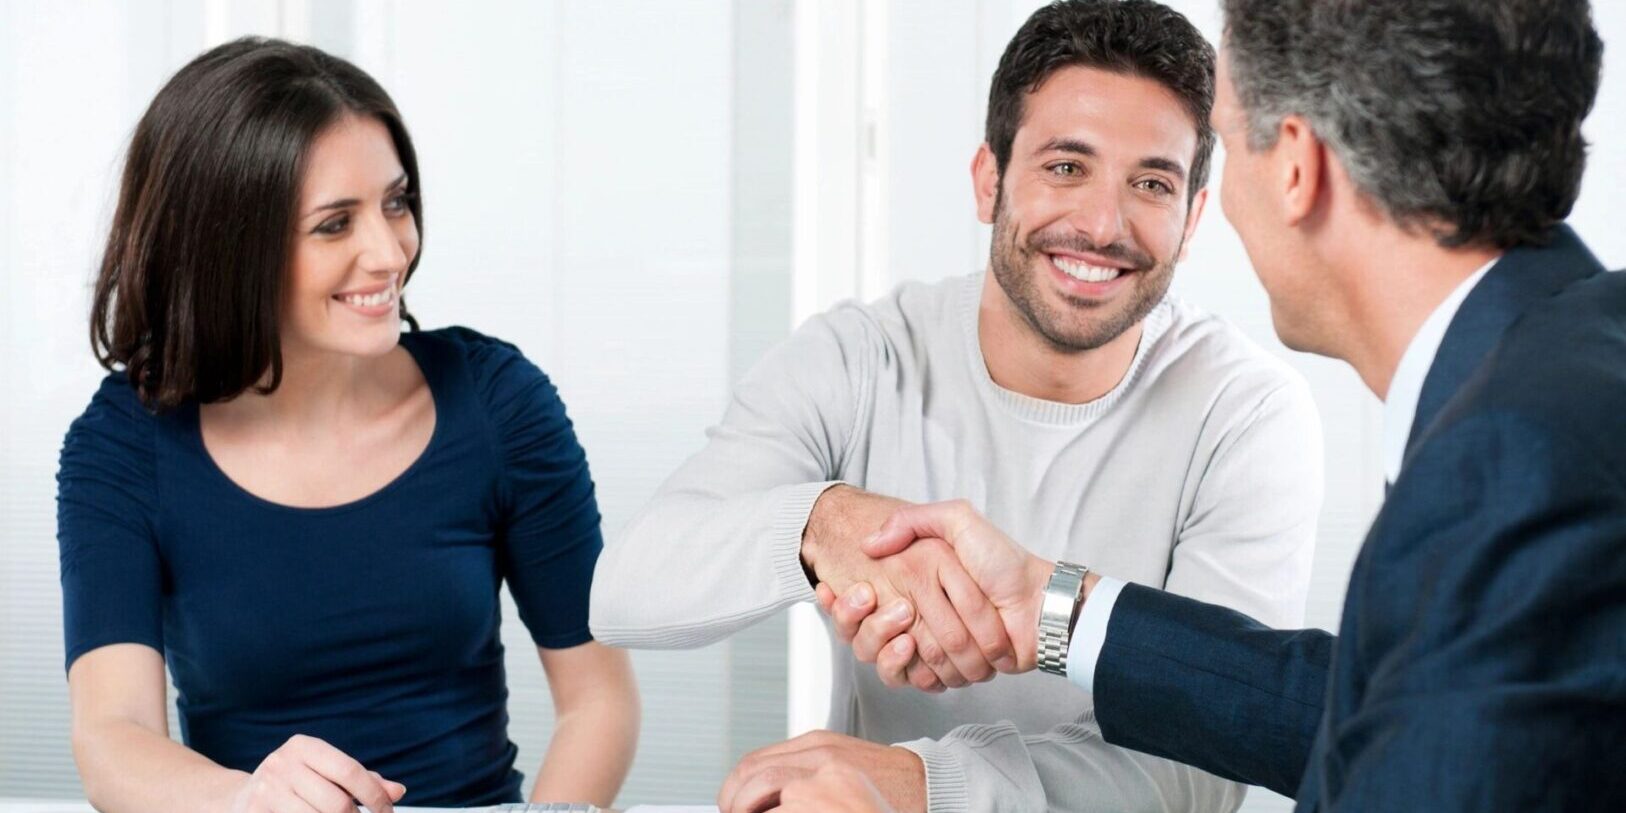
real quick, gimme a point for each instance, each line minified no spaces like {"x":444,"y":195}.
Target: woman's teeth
{"x":369,"y":300}
{"x":1085,"y":272}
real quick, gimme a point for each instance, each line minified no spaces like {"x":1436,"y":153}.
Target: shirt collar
{"x":1400,"y":408}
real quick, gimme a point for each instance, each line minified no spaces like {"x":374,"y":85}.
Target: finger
{"x":980,"y":617}
{"x":879,"y":629}
{"x":849,"y":613}
{"x":894,"y":659}
{"x":319,"y":793}
{"x":949,"y":643}
{"x":824,"y":596}
{"x":923,"y":678}
{"x":935,"y":520}
{"x":800,"y":752}
{"x":343,"y":770}
{"x":286,"y":801}
{"x":753,"y":763}
{"x":396,"y":789}
{"x":760,"y":791}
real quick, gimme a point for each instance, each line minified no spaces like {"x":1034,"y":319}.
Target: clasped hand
{"x":949,"y":599}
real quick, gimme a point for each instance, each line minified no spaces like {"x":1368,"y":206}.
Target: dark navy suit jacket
{"x":1480,"y":663}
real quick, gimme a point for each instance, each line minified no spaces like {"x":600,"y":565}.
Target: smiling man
{"x":1063,"y":391}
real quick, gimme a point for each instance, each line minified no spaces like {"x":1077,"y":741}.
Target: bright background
{"x":643,"y":195}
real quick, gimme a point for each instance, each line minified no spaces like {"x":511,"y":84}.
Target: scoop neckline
{"x":437,"y":399}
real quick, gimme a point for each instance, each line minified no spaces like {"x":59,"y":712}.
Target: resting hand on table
{"x":826,"y":771}
{"x":1011,"y":579}
{"x":832,"y":789}
{"x":306,"y":775}
{"x":924,"y":589}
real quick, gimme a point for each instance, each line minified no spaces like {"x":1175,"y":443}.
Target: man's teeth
{"x":370,"y":300}
{"x":1085,"y":272}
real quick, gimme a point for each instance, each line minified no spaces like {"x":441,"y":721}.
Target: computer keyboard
{"x":553,"y":807}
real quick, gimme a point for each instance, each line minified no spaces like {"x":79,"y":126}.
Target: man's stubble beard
{"x":1088,"y":325}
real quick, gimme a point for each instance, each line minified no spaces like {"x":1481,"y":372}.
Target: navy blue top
{"x":372,"y":625}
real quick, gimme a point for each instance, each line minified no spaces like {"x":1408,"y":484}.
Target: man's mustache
{"x":1081,"y":243}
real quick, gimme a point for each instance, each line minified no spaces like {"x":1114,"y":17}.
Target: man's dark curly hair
{"x":1459,"y":117}
{"x":1136,"y":37}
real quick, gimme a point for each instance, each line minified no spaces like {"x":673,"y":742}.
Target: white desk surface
{"x":74,"y":806}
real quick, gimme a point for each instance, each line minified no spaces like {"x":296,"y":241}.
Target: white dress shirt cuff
{"x":1090,"y":632}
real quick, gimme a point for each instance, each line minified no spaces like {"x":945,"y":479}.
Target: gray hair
{"x":1459,"y":117}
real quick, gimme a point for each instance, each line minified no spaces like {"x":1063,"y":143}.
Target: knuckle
{"x":931,"y":653}
{"x":955,"y":640}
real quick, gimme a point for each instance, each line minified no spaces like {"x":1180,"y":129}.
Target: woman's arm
{"x":595,"y":700}
{"x":129,"y":764}
{"x":121,"y":739}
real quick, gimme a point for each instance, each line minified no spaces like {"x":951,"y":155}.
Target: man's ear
{"x":1194,"y":214}
{"x":985,"y":182}
{"x":1301,"y":163}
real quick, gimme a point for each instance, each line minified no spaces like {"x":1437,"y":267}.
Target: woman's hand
{"x":306,"y":775}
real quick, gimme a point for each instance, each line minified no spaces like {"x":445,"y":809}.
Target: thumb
{"x":395,"y":789}
{"x":909,"y":523}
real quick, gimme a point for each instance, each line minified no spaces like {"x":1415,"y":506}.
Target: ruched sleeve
{"x":551,"y":536}
{"x":112,"y":574}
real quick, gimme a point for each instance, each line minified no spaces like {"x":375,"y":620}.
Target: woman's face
{"x":354,"y":239}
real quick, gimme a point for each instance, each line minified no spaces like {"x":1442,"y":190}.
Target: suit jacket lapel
{"x":1521,"y":278}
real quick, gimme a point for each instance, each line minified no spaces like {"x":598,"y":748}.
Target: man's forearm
{"x":840,"y":520}
{"x":738,"y":556}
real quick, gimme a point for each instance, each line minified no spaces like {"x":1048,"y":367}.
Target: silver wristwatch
{"x":1057,"y":612}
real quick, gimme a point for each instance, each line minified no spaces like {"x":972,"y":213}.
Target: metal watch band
{"x":1061,"y":597}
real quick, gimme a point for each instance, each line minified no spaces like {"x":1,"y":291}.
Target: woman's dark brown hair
{"x":188,"y":298}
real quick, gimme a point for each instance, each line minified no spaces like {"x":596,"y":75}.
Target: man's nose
{"x":1099,"y":216}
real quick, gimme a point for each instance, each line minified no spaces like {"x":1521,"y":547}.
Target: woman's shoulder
{"x":482,"y":353}
{"x":504,"y":379}
{"x":115,"y":428}
{"x":116,"y":406}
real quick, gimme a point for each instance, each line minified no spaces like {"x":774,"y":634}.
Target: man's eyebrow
{"x":345,"y":203}
{"x":1168,"y":165}
{"x":1071,"y":145}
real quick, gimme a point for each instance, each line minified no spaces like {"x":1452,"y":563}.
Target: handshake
{"x":934,"y":595}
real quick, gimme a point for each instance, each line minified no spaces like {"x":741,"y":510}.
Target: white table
{"x":76,"y":806}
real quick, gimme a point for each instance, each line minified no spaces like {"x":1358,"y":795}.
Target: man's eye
{"x":1067,"y":169}
{"x":1157,"y":186}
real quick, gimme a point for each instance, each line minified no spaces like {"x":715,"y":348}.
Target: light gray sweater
{"x":1199,"y":473}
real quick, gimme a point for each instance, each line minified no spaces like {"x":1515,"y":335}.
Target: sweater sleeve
{"x":1248,"y":541}
{"x":719,"y":546}
{"x":1070,"y":767}
{"x":112,"y":575}
{"x":551,"y":537}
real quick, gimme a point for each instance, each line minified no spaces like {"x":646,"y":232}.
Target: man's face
{"x":1091,"y":214}
{"x":1250,"y":195}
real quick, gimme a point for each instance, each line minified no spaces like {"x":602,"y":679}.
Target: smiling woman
{"x":305,"y":512}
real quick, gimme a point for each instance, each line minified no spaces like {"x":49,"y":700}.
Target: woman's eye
{"x":399,"y":203}
{"x":334,"y":226}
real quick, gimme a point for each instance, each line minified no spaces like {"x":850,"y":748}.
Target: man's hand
{"x":957,"y":633}
{"x":832,"y":789}
{"x":784,"y":774}
{"x":1012,"y":579}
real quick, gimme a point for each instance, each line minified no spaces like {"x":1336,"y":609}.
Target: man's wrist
{"x":814,"y":533}
{"x":1058,"y":612}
